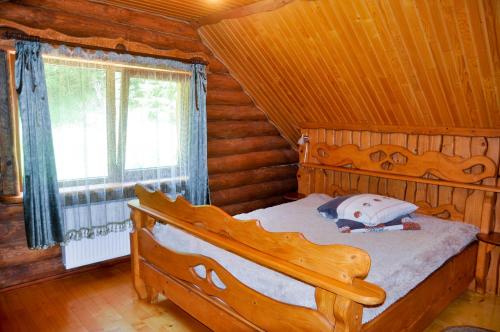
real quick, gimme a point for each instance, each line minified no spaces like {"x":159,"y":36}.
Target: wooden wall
{"x":250,"y":165}
{"x":368,"y":63}
{"x":468,"y":204}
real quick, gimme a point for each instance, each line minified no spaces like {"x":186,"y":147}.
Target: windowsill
{"x":18,"y":199}
{"x":114,"y":185}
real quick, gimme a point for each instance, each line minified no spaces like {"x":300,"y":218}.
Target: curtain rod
{"x":111,"y":64}
{"x":23,"y":36}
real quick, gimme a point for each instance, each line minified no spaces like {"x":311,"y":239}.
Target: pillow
{"x":368,"y":209}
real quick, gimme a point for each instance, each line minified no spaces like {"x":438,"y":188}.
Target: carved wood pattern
{"x":445,"y":211}
{"x":343,"y":263}
{"x":103,"y":43}
{"x":442,"y":199}
{"x":257,"y":308}
{"x":395,"y":159}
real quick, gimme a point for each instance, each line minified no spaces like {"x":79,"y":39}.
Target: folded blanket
{"x":401,"y":223}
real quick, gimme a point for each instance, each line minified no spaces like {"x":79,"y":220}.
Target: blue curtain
{"x":42,"y":211}
{"x":174,"y":131}
{"x":197,"y":186}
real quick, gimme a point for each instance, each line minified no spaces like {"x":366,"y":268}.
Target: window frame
{"x":15,"y":121}
{"x":116,"y":156}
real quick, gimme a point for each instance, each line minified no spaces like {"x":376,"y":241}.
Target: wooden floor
{"x":103,"y":300}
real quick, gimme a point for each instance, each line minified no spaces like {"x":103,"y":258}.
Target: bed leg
{"x":139,"y":285}
{"x":325,"y":302}
{"x":347,"y":315}
{"x":152,"y":294}
{"x":344,"y":314}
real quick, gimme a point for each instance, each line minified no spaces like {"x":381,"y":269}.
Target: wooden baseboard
{"x":70,"y":272}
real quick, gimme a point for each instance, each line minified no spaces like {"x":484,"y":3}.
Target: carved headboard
{"x":449,"y":176}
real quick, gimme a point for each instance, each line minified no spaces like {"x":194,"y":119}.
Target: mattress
{"x":400,"y":260}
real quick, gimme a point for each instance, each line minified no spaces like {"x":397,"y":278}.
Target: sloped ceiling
{"x":403,"y":63}
{"x":188,"y":10}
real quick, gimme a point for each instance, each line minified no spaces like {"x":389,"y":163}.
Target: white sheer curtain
{"x":117,"y":120}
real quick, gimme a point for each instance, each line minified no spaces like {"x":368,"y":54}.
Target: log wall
{"x":467,"y":205}
{"x":250,"y":165}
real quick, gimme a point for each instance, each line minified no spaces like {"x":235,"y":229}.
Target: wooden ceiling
{"x":368,"y":62}
{"x":187,"y":10}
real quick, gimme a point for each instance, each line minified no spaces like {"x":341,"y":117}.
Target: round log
{"x":238,"y":179}
{"x":215,"y":66}
{"x":222,"y":97}
{"x":238,"y":208}
{"x":222,"y":82}
{"x":237,"y":113}
{"x":251,"y":160}
{"x":88,"y":27}
{"x":252,"y":192}
{"x":237,"y":129}
{"x":225,"y":147}
{"x":120,"y":15}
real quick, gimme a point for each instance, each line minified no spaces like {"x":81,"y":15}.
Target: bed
{"x":332,"y":282}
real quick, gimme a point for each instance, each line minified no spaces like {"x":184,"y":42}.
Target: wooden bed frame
{"x":336,"y":271}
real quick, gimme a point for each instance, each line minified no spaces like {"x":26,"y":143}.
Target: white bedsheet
{"x":400,"y":259}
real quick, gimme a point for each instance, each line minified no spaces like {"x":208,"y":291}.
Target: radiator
{"x":101,"y":248}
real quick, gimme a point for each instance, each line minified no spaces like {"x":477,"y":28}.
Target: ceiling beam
{"x":254,"y":8}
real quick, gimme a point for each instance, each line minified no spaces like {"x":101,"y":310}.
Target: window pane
{"x":77,"y":103}
{"x":152,"y":112}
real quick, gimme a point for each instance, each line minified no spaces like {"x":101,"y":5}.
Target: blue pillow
{"x":329,"y":209}
{"x":357,"y":225}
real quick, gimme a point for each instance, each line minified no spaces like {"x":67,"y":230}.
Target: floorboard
{"x":104,"y":300}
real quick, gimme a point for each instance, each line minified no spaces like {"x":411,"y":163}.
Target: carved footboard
{"x":336,"y":271}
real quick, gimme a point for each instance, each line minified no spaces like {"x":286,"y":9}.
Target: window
{"x":104,"y":117}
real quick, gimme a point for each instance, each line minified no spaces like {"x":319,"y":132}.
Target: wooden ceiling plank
{"x":445,"y":97}
{"x":396,"y":63}
{"x":326,"y":69}
{"x":375,"y":63}
{"x":446,"y":15}
{"x":260,"y":65}
{"x":484,"y":63}
{"x":283,"y":64}
{"x":396,"y":94}
{"x":185,"y":10}
{"x":356,"y":71}
{"x":405,"y":15}
{"x":150,"y":8}
{"x":404,"y":57}
{"x":424,"y":38}
{"x":470,"y":78}
{"x":219,"y":42}
{"x":250,"y":9}
{"x":490,"y":12}
{"x":371,"y":57}
{"x":326,"y":35}
{"x":445,"y":61}
{"x":320,"y":96}
{"x":349,"y":69}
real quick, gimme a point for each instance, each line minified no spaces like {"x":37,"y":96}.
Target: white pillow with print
{"x":373,"y":210}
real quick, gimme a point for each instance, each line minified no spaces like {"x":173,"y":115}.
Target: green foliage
{"x":73,"y":92}
{"x":151,"y":96}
